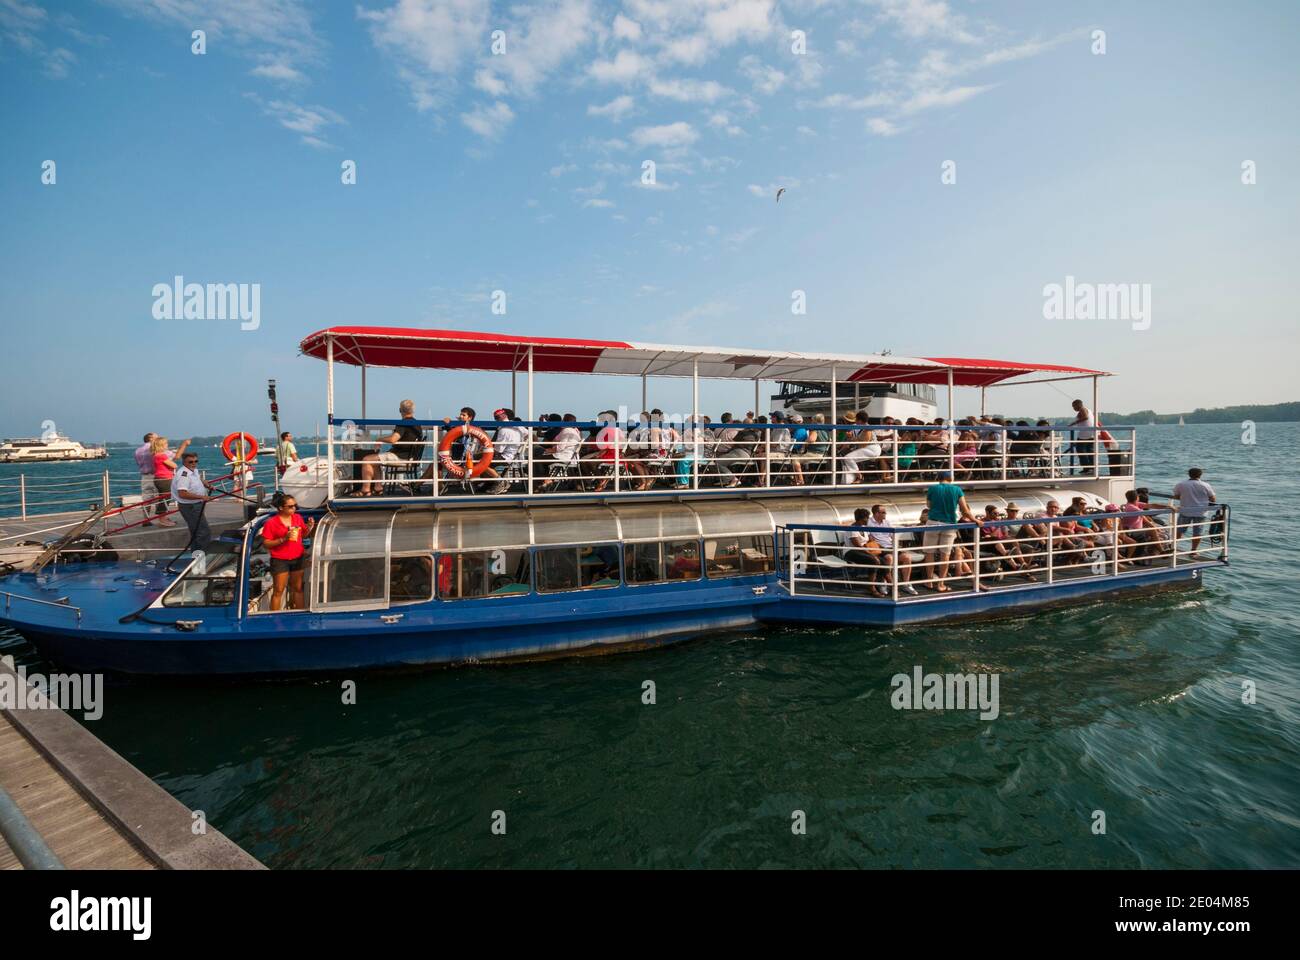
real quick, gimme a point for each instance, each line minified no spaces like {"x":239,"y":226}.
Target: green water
{"x":1132,"y":708}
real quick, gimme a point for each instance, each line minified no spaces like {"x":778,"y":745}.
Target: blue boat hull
{"x":442,"y":633}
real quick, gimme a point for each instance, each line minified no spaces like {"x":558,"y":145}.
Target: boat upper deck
{"x":654,"y":454}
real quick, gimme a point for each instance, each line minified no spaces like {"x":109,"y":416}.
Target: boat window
{"x":577,"y":567}
{"x":732,"y":518}
{"x":467,"y":529}
{"x":657,"y":521}
{"x":664,"y":560}
{"x":352,"y":559}
{"x":211,"y":581}
{"x":358,"y":580}
{"x":737,"y":556}
{"x":483,"y":573}
{"x":784,"y":510}
{"x":410,"y":579}
{"x":413,"y":532}
{"x":356,"y":535}
{"x":572,"y":524}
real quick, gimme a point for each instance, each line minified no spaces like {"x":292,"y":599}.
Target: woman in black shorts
{"x":283,"y":535}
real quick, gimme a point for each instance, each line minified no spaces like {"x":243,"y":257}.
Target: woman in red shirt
{"x":283,"y":535}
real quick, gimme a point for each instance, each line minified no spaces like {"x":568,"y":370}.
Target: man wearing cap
{"x":191,"y":495}
{"x":944,"y":500}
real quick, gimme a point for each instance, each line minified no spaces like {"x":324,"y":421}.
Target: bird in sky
{"x":778,"y":194}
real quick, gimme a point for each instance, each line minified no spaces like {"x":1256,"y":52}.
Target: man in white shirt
{"x":1085,"y":443}
{"x":191,"y":496}
{"x":509,"y":438}
{"x":885,"y":540}
{"x":1194,"y":497}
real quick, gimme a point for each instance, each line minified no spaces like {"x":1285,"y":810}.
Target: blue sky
{"x":522,"y":172}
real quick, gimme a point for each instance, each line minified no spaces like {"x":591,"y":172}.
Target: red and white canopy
{"x":468,"y":350}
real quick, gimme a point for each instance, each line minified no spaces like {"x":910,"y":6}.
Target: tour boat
{"x":48,"y":449}
{"x":487,"y":541}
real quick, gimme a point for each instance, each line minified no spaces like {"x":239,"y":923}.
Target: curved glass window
{"x":657,"y":521}
{"x":478,"y":529}
{"x":733,"y":517}
{"x":413,"y":531}
{"x":800,"y":510}
{"x":572,"y":525}
{"x":355,"y":535}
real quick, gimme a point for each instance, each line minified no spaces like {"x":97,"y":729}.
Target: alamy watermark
{"x":20,"y":690}
{"x":212,"y":301}
{"x":1098,"y":301}
{"x":946,"y":691}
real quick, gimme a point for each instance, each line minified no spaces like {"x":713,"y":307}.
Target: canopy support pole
{"x":757,"y":406}
{"x":835,"y":419}
{"x":514,"y":388}
{"x":528,"y":434}
{"x":643,"y":394}
{"x":695,"y":424}
{"x":982,"y":411}
{"x":952,"y":434}
{"x":329,"y":414}
{"x":1096,"y":432}
{"x":363,"y":391}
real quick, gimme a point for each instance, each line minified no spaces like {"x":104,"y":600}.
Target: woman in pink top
{"x":164,"y":468}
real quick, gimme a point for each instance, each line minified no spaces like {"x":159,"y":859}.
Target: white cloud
{"x":844,"y":101}
{"x":689,"y":90}
{"x":489,"y":122}
{"x":919,"y":19}
{"x":626,"y":28}
{"x":766,"y":79}
{"x":693,"y":49}
{"x":428,"y":40}
{"x":736,"y":19}
{"x":277,"y":70}
{"x":562,"y":169}
{"x":598,"y":202}
{"x":806,"y":131}
{"x":615,"y":110}
{"x":490,"y":83}
{"x":539,"y":40}
{"x":308,"y":121}
{"x":627,"y":65}
{"x":882,"y":127}
{"x":677,"y":134}
{"x":928,"y":99}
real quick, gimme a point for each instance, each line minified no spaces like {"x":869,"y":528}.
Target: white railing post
{"x":107,"y":490}
{"x":1133,"y":452}
{"x":1006,"y":447}
{"x":618,"y":461}
{"x":977,"y":558}
{"x":695,"y":461}
{"x":767,"y":456}
{"x":528,"y":431}
{"x":437,"y":442}
{"x":1051,"y":549}
{"x":1173,"y":538}
{"x":790,"y":555}
{"x":1114,"y":565}
{"x":22,"y":494}
{"x":894,"y":561}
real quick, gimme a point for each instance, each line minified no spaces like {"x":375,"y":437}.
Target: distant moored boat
{"x":48,"y":450}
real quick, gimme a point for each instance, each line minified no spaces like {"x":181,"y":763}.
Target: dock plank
{"x":77,"y":833}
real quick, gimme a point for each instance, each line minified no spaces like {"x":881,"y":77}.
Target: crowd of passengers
{"x":1081,"y":536}
{"x":751,"y":450}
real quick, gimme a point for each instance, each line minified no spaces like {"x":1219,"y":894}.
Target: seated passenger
{"x":406,"y":448}
{"x":884,"y":538}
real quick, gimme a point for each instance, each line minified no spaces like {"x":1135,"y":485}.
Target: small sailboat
{"x":1181,"y":423}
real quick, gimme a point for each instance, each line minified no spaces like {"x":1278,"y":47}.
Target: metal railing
{"x":23,"y":497}
{"x":538,"y":458}
{"x":61,"y":603}
{"x":905,"y":564}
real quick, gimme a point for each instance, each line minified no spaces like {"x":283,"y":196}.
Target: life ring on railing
{"x":470,"y":467}
{"x":250,"y":447}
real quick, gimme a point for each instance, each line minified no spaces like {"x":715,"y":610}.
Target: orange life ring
{"x":250,"y":446}
{"x":471,"y":467}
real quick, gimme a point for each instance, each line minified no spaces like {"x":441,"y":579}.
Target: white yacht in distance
{"x":48,"y":450}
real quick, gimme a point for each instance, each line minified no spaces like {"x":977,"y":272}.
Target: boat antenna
{"x":275,"y":422}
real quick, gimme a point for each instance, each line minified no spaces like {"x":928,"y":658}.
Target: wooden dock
{"x":92,"y":808}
